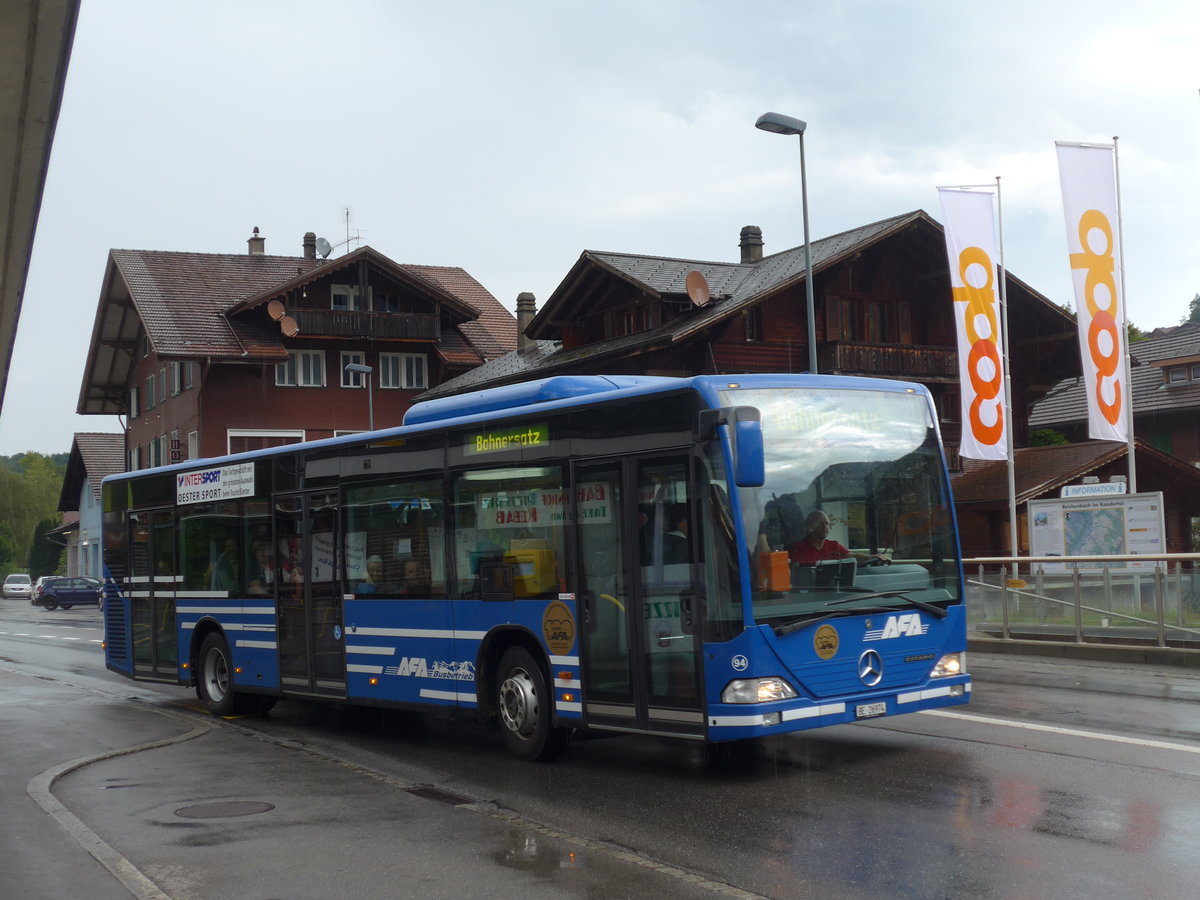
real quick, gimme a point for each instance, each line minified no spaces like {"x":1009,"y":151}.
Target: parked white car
{"x":17,"y":585}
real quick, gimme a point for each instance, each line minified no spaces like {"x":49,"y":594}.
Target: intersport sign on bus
{"x":1089,"y":190}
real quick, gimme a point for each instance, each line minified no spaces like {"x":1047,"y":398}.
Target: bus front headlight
{"x":950,"y":664}
{"x":757,"y":690}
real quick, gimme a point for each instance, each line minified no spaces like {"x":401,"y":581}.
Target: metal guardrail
{"x":1087,"y":599}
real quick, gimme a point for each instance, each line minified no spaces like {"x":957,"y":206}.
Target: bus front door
{"x":309,"y":599}
{"x":637,"y":573}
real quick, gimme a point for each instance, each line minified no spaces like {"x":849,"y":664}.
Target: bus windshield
{"x":854,"y":514}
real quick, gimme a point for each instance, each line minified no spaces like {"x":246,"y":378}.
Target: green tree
{"x":1134,"y":333}
{"x":8,"y":549}
{"x":27,"y":497}
{"x":1193,"y":311}
{"x":1046,"y":437}
{"x":44,"y":553}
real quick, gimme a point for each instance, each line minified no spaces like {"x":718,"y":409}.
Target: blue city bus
{"x":578,"y":554}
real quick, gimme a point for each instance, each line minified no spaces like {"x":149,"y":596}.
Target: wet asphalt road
{"x":1059,"y":779}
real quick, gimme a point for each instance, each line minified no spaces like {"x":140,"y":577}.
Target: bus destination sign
{"x":223,"y":483}
{"x":503,"y":439}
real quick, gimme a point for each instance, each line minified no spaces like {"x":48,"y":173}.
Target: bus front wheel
{"x":523,"y":706}
{"x":215,"y":678}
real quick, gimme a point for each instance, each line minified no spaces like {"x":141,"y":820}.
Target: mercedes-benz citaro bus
{"x":715,"y":558}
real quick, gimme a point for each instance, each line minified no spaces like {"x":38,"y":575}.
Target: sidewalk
{"x":230,"y":813}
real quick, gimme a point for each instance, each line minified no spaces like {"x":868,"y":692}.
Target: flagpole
{"x":1014,"y":546}
{"x":1125,"y":323}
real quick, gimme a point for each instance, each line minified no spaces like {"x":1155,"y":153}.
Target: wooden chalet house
{"x":1165,"y":377}
{"x":882,"y":301}
{"x":207,"y":353}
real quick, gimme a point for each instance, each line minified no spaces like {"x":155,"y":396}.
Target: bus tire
{"x":214,"y":681}
{"x":523,"y":708}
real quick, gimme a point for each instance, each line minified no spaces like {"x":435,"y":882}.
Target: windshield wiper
{"x":787,"y":627}
{"x":889,"y":595}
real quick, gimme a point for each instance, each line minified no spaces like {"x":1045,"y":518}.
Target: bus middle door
{"x":309,"y":598}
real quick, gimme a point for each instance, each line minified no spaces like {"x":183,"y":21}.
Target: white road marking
{"x":1068,"y":732}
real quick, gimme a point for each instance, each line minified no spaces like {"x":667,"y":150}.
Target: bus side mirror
{"x":746,"y":439}
{"x":749,"y":465}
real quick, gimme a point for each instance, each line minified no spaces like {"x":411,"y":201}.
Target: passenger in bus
{"x":417,"y":580}
{"x":223,"y":575}
{"x":675,"y":541}
{"x":373,"y":584}
{"x":262,"y":576}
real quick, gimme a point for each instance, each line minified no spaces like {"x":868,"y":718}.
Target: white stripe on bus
{"x":364,"y":670}
{"x":448,"y":695}
{"x":257,"y":645}
{"x":370,"y":651}
{"x":418,"y":633}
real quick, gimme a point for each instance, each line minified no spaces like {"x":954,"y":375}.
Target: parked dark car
{"x":70,"y":591}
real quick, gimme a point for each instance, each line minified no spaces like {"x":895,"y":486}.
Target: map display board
{"x":1117,"y":525}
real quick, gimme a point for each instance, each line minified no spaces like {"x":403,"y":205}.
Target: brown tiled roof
{"x":1067,"y":403}
{"x":188,"y":305}
{"x":494,"y":333}
{"x":734,"y":287}
{"x":1043,"y":470}
{"x":93,"y":456}
{"x":181,"y":297}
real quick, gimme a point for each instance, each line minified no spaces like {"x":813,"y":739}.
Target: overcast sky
{"x":507,"y":138}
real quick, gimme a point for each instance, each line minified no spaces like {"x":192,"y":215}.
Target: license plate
{"x":868,"y":710}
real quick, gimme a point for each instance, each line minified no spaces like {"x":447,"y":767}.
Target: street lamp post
{"x":781,"y":124}
{"x":365,"y":370}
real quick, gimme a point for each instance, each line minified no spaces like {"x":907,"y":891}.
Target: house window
{"x":868,"y":321}
{"x":242,"y":439}
{"x":352,"y":379}
{"x":347,"y":297}
{"x":402,"y":370}
{"x":951,"y":406}
{"x":753,"y":319}
{"x":162,"y":385}
{"x":193,"y":448}
{"x":385,"y":303}
{"x":1177,"y":375}
{"x":134,"y":409}
{"x":156,"y":447}
{"x":304,"y":368}
{"x":134,"y":459}
{"x":1195,"y":373}
{"x":176,"y":378}
{"x":150,"y":394}
{"x":187,"y":376}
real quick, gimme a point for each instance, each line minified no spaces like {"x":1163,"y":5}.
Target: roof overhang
{"x":35,"y":47}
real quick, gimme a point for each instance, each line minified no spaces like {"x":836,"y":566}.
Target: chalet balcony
{"x":355,"y":324}
{"x":889,"y":361}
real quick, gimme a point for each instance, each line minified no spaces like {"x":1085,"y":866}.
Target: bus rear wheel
{"x":214,"y":680}
{"x":523,"y":706}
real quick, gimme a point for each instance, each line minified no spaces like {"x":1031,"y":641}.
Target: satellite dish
{"x":697,"y":288}
{"x":289,"y":326}
{"x":275,"y":310}
{"x":324,"y":248}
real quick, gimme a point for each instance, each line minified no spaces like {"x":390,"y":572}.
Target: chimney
{"x":526,"y":308}
{"x":751,"y":243}
{"x":310,"y":245}
{"x":257,"y":245}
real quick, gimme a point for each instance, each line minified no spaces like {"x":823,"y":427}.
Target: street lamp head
{"x":780,"y":124}
{"x":359,"y":367}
